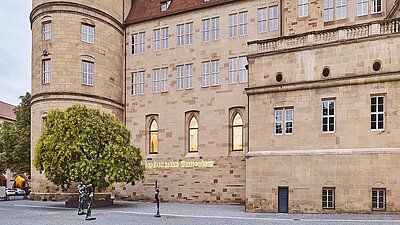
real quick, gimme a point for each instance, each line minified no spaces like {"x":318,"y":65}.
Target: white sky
{"x":15,"y":50}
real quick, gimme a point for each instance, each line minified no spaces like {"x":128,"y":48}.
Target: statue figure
{"x":89,"y":193}
{"x":157,"y":201}
{"x":81,"y":193}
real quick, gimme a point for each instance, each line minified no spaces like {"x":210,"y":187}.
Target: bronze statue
{"x":157,"y":201}
{"x":81,"y":193}
{"x":89,"y":193}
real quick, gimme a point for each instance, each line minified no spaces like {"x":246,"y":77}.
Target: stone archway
{"x":3,"y":181}
{"x":20,"y":182}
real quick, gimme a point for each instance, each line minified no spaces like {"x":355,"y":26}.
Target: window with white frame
{"x":243,"y":72}
{"x":46,"y":29}
{"x":205,"y":74}
{"x":328,"y":10}
{"x":214,"y":28}
{"x":328,"y":198}
{"x":137,"y":83}
{"x":46,"y":65}
{"x":362,"y":7}
{"x":189,"y":33}
{"x":328,"y":116}
{"x":180,"y":77}
{"x":283,"y":121}
{"x":303,"y":8}
{"x":156,"y":80}
{"x":273,"y":18}
{"x":378,"y":199}
{"x":165,"y":5}
{"x":87,"y":33}
{"x":164,"y":79}
{"x":233,"y":25}
{"x":376,"y":6}
{"x":180,"y":35}
{"x":156,"y":39}
{"x":341,"y":9}
{"x":205,"y":30}
{"x":189,"y":76}
{"x":233,"y":69}
{"x":87,"y":73}
{"x":138,"y":43}
{"x":243,"y":23}
{"x":214,"y":72}
{"x":262,"y":20}
{"x":164,"y":38}
{"x":377,"y":113}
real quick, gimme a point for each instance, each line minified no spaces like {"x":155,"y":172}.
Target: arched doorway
{"x":20,"y":182}
{"x":3,"y":180}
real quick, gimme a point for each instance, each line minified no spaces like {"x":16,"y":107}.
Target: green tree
{"x":83,"y":144}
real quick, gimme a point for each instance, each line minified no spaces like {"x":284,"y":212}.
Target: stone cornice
{"x":325,"y":83}
{"x":355,"y":151}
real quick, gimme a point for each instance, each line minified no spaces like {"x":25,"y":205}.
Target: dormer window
{"x":165,"y":5}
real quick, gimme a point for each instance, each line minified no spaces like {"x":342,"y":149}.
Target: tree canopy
{"x":82,"y":144}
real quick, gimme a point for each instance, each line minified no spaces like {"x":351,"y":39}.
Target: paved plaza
{"x":24,"y":212}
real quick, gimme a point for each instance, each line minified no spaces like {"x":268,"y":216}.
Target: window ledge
{"x":192,"y":155}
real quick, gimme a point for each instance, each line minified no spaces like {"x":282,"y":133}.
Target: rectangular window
{"x":189,"y":76}
{"x":205,"y":29}
{"x":205,"y":74}
{"x":164,"y":38}
{"x":303,"y":8}
{"x":134,"y":83}
{"x":362,"y":7}
{"x":378,"y":199}
{"x":156,"y":40}
{"x":377,"y":113}
{"x":156,"y":80}
{"x":243,"y":73}
{"x":215,"y":29}
{"x":46,"y":64}
{"x":87,"y":73}
{"x":87,"y":33}
{"x":233,"y":70}
{"x":214,"y":72}
{"x":273,"y":18}
{"x":46,"y":26}
{"x":141,"y":82}
{"x":189,"y":33}
{"x":180,"y":32}
{"x":138,"y":43}
{"x":341,"y":9}
{"x":283,"y":121}
{"x":262,"y":20}
{"x":164,"y":79}
{"x":179,"y":77}
{"x":376,"y":6}
{"x":243,"y":23}
{"x":328,"y":116}
{"x":233,"y":25}
{"x":328,"y":198}
{"x":328,"y":10}
{"x":137,"y":83}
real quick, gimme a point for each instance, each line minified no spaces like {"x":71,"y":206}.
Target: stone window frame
{"x":273,"y":15}
{"x":262,"y":19}
{"x":156,"y":80}
{"x":164,"y":37}
{"x":325,"y":193}
{"x":180,"y":77}
{"x":164,"y":79}
{"x":233,"y":25}
{"x":88,"y":74}
{"x":380,"y":199}
{"x":180,"y":35}
{"x":375,"y":6}
{"x":88,"y":31}
{"x":189,"y":115}
{"x":215,"y":28}
{"x":233,"y":70}
{"x":302,"y":8}
{"x":243,"y":23}
{"x":233,"y":112}
{"x":150,"y":118}
{"x":138,"y":42}
{"x":378,"y":112}
{"x":341,"y":6}
{"x":47,"y":28}
{"x":137,"y":82}
{"x":189,"y":33}
{"x":284,"y":114}
{"x":328,"y":116}
{"x":157,"y":39}
{"x":46,"y":71}
{"x":189,"y":76}
{"x":362,"y":5}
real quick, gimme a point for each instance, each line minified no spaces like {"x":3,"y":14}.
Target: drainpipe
{"x":281,"y":16}
{"x":124,"y":76}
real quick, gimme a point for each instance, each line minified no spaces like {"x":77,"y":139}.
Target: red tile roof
{"x":143,"y":10}
{"x":7,"y":111}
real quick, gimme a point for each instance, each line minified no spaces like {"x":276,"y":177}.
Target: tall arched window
{"x":153,"y":137}
{"x":237,"y":133}
{"x":193,"y":134}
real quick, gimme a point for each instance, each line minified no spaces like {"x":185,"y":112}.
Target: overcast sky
{"x":15,"y":50}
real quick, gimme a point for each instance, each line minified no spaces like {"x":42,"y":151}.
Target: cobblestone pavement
{"x":24,"y":212}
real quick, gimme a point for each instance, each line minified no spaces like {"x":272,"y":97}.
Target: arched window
{"x":153,"y":137}
{"x":237,"y":133}
{"x":193,"y":134}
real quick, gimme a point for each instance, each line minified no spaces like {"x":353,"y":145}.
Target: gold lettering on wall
{"x":179,"y":164}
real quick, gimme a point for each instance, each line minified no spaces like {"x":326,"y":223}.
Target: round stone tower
{"x":77,"y":58}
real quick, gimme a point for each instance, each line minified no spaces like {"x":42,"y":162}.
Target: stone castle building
{"x":285,"y":105}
